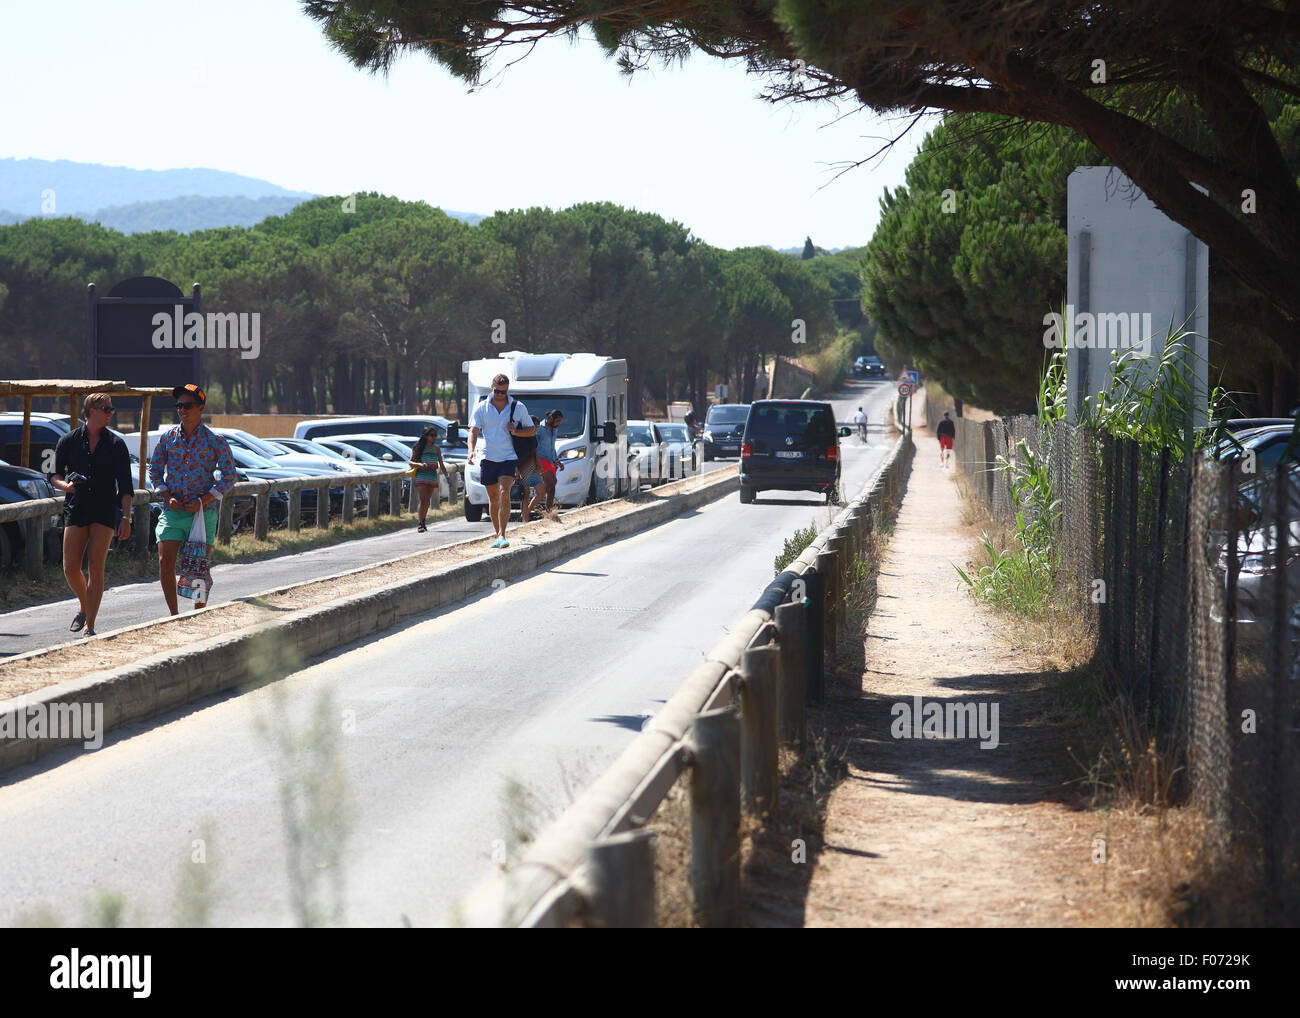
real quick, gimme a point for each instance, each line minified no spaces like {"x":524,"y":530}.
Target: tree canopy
{"x":367,"y":300}
{"x":1179,"y":96}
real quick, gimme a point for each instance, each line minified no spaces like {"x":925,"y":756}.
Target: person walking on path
{"x":946,"y":431}
{"x":498,"y":419}
{"x":551,"y":465}
{"x":427,"y":457}
{"x":93,"y":468}
{"x":182,"y":469}
{"x":860,"y":419}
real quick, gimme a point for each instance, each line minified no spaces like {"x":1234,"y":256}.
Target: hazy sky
{"x":252,"y":87}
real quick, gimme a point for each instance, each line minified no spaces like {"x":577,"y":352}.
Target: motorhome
{"x":592,"y":393}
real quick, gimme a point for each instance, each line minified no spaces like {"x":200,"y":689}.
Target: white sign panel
{"x":1132,"y":270}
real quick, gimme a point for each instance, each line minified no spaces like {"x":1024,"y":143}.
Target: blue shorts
{"x":492,"y":471}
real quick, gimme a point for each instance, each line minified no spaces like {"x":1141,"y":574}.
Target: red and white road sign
{"x":905,"y":388}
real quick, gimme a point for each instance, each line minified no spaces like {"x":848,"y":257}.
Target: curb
{"x":271,"y":649}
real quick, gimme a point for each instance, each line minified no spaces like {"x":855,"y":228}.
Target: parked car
{"x":400,"y":447}
{"x":452,"y":437}
{"x":318,"y":466}
{"x":46,"y":431}
{"x":790,"y":445}
{"x":19,"y":484}
{"x":251,"y":467}
{"x":678,"y":446}
{"x":724,"y":426}
{"x":357,"y":463}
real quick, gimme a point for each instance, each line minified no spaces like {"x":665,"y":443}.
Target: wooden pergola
{"x":77,"y":389}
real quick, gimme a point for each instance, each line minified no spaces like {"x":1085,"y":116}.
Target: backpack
{"x":524,"y":447}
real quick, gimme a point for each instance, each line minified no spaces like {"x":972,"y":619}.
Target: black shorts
{"x":492,"y":471}
{"x":83,"y":514}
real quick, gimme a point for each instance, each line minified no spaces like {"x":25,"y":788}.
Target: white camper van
{"x":592,"y":393}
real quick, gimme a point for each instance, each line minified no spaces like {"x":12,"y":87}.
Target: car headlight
{"x":31,"y":488}
{"x":574,"y":454}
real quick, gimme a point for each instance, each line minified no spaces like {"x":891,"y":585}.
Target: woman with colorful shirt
{"x":428,"y":458}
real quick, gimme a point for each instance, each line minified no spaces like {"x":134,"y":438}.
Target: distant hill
{"x":138,"y":201}
{"x":81,"y":188}
{"x":193,"y":212}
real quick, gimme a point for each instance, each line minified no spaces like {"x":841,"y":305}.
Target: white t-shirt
{"x":860,"y":418}
{"x":491,"y":424}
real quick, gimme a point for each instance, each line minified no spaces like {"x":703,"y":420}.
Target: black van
{"x":790,"y":445}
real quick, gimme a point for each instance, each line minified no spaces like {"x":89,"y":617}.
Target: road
{"x":448,"y":737}
{"x":130,"y":604}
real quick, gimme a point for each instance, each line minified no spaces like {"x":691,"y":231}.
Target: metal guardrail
{"x":38,"y":511}
{"x":593,"y":862}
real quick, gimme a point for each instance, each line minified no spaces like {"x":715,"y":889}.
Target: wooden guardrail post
{"x":829,"y":571}
{"x":815,"y":636}
{"x":323,"y":507}
{"x":373,"y":506}
{"x":413,"y":502}
{"x":792,"y":629}
{"x":759,"y":765}
{"x":262,"y":519}
{"x":225,"y":519}
{"x":140,"y":525}
{"x":34,"y":550}
{"x":395,"y":496}
{"x":295,"y":510}
{"x":715,"y":818}
{"x":622,"y":871}
{"x":348,"y":502}
{"x":843,"y":562}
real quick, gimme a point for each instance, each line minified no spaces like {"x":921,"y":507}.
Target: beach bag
{"x":195,"y":580}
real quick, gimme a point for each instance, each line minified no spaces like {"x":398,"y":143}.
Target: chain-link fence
{"x":1185,"y":572}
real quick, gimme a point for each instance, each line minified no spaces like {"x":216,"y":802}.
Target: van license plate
{"x":796,"y":454}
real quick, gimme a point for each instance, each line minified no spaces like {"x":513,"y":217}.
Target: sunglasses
{"x":107,"y":409}
{"x":186,"y":406}
{"x":501,"y":392}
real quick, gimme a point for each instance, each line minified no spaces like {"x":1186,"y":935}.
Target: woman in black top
{"x":93,"y":467}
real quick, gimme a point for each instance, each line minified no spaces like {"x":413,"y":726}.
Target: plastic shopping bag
{"x":195,"y":580}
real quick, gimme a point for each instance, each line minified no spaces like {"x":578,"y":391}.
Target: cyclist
{"x":860,"y":419}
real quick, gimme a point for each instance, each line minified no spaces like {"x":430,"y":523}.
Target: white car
{"x":318,"y":466}
{"x":678,"y":447}
{"x":658,"y":451}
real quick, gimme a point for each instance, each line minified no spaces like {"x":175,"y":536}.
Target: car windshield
{"x":639,"y":434}
{"x":250,"y":460}
{"x":673,"y":432}
{"x":573,"y":407}
{"x":727,"y":415}
{"x":351,"y":453}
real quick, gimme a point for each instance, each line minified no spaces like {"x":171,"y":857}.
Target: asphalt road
{"x":437,"y":744}
{"x":130,"y":604}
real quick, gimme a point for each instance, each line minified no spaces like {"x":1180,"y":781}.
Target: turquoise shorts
{"x":174,"y":525}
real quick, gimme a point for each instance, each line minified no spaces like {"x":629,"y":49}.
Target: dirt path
{"x":939,"y":832}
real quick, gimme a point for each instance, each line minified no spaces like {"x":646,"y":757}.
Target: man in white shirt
{"x":860,"y":419}
{"x":499,"y":419}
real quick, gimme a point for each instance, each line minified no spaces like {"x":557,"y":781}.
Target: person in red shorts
{"x":947,"y":432}
{"x":546,"y":453}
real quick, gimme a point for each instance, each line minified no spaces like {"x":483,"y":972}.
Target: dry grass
{"x":1160,"y":868}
